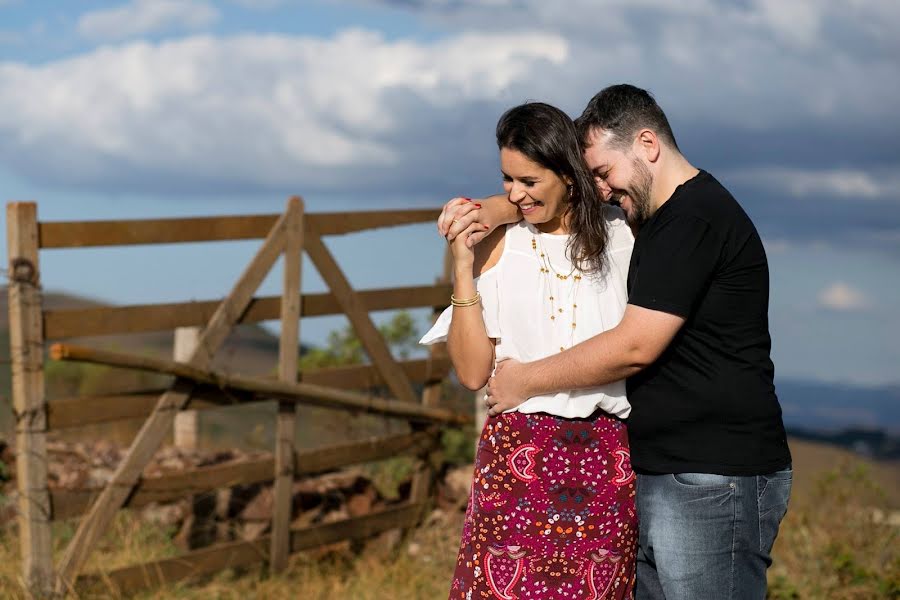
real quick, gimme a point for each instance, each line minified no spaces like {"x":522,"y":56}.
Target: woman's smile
{"x":528,"y":208}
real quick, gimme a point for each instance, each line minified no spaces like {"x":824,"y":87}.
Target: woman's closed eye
{"x":526,"y":182}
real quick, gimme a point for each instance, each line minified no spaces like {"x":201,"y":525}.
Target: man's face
{"x":621,"y":178}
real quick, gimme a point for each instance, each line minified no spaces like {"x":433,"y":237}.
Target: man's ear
{"x":647,"y":143}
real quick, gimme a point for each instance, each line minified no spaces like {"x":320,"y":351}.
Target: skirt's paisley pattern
{"x":551,"y":514}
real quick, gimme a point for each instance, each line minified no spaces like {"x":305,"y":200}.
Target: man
{"x":707,"y":438}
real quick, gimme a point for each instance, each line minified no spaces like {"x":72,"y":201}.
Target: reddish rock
{"x":260,"y":508}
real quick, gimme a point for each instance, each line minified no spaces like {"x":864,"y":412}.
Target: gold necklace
{"x":546,"y":267}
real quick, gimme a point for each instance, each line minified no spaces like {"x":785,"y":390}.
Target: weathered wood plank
{"x":339,"y":223}
{"x":302,"y":393}
{"x":166,"y":488}
{"x":286,"y":420}
{"x":105,"y":408}
{"x":358,"y":314}
{"x":148,"y":439}
{"x":241,"y":554}
{"x":83,"y":234}
{"x":110,"y":320}
{"x":89,"y":410}
{"x":26,"y":348}
{"x":320,"y":460}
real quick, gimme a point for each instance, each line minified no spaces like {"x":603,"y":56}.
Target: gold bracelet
{"x":466,"y":301}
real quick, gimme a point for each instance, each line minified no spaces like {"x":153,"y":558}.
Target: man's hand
{"x":506,"y":389}
{"x":480,"y":217}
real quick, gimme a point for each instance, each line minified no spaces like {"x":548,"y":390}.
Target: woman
{"x":551,"y":513}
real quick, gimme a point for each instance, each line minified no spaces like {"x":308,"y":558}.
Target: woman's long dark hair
{"x":547,"y":136}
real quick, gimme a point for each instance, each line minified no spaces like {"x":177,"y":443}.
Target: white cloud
{"x":269,"y":109}
{"x":755,"y":64}
{"x":140,"y":17}
{"x":777,"y":246}
{"x":842,"y":297}
{"x":260,"y":111}
{"x":853,"y":184}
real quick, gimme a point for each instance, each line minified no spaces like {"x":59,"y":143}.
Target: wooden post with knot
{"x":29,"y":404}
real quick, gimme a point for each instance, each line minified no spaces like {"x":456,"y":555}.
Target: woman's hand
{"x":463,"y":249}
{"x":463,"y":215}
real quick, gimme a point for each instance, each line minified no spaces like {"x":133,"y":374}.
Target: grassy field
{"x":830,"y":546}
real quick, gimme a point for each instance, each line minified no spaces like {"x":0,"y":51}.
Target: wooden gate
{"x":195,"y":383}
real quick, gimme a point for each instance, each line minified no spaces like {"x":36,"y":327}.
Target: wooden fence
{"x":196,"y":384}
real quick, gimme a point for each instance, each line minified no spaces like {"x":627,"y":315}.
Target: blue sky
{"x":183,"y":107}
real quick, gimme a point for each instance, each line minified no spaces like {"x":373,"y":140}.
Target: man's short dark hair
{"x":621,"y":111}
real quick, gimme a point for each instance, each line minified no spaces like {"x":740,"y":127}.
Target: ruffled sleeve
{"x":490,"y":303}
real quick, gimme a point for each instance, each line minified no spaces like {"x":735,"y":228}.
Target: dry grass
{"x":831,"y":544}
{"x":420,"y":568}
{"x":829,"y":547}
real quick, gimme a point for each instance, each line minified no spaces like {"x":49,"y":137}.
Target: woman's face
{"x":541,"y":195}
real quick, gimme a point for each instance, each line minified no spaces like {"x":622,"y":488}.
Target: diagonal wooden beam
{"x":160,"y":421}
{"x":354,"y":307}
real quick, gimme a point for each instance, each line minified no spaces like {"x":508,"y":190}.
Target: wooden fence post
{"x":29,"y":405}
{"x":288,"y":354}
{"x":186,"y":432}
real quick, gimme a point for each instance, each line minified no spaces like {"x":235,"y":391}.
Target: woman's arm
{"x":470,"y":348}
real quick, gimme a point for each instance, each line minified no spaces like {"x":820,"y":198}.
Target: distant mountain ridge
{"x":865,"y":420}
{"x":832,"y":407}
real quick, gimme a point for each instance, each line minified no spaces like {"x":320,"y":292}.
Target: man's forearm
{"x":603,"y":359}
{"x":500,"y":211}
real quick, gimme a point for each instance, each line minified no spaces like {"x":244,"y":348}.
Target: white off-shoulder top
{"x":516,"y":308}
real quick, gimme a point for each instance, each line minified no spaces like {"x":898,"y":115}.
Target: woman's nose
{"x":604,"y":189}
{"x":516,"y":193}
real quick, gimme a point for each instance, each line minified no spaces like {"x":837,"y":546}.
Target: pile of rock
{"x":231,"y":513}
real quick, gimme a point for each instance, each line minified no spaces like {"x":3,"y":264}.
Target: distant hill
{"x":865,"y":420}
{"x":830,"y":407}
{"x":249,"y":350}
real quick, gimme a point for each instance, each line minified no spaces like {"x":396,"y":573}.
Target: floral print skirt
{"x":551,"y":513}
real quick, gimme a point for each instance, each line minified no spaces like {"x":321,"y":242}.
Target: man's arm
{"x":459,"y":213}
{"x":634,"y":344}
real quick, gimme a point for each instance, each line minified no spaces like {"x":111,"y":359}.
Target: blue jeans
{"x":705,"y":536}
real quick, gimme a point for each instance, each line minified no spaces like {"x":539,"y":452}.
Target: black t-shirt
{"x":708,"y":403}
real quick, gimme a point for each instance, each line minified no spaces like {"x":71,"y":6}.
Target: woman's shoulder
{"x":621,"y":236}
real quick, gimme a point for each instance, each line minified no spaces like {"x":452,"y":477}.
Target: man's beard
{"x":639,"y":189}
